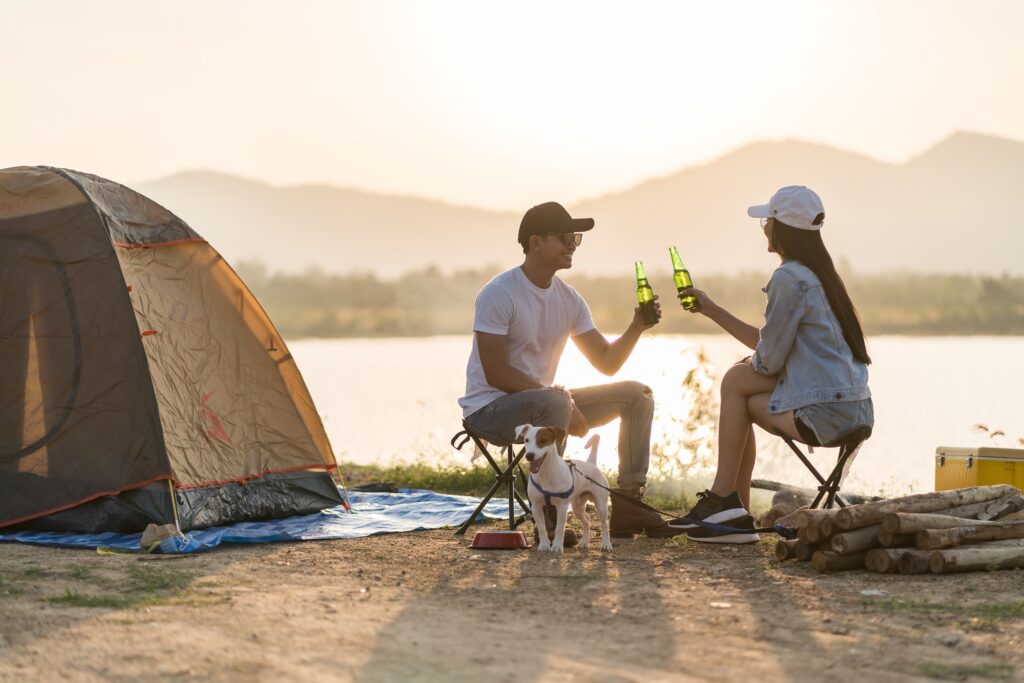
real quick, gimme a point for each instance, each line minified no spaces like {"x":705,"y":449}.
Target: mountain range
{"x":953,"y":208}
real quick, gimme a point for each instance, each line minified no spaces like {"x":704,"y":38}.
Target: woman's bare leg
{"x":736,"y":449}
{"x":747,"y":467}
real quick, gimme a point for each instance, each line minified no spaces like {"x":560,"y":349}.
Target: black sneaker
{"x":713,"y":508}
{"x":740,"y":531}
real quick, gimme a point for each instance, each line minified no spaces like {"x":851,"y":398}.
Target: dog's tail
{"x":592,"y":443}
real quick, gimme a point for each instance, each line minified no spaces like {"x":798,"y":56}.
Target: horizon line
{"x":409,"y":195}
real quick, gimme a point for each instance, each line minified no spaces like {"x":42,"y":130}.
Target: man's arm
{"x":499,"y":372}
{"x":608,"y":357}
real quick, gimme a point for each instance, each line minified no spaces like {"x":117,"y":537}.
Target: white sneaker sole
{"x":726,"y":538}
{"x":717,"y":518}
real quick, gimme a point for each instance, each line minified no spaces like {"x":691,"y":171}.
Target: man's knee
{"x":639,"y":393}
{"x":553,"y":408}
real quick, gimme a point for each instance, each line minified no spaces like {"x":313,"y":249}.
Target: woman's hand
{"x":705,"y":303}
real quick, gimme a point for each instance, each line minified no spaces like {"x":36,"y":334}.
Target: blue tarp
{"x":372,"y":513}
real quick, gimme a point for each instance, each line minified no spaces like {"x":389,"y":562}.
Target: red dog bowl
{"x":499,"y":540}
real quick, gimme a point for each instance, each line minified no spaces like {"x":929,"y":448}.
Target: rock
{"x":777,"y":511}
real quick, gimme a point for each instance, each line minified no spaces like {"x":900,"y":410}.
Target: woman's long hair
{"x":807,"y":247}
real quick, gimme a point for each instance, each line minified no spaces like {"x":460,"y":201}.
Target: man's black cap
{"x":550,"y":217}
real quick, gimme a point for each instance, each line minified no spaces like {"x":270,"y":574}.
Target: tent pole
{"x":174,"y":505}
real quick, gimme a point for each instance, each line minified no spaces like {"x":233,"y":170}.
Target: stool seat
{"x":504,"y":476}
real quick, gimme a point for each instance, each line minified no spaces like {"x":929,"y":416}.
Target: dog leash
{"x":783,"y":531}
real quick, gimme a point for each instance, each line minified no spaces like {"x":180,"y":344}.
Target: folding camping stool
{"x":503,"y":476}
{"x":828,"y":489}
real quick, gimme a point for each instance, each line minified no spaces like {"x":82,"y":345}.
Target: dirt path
{"x":425,"y":607}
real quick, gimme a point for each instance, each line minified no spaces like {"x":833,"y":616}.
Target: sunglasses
{"x":569,"y":239}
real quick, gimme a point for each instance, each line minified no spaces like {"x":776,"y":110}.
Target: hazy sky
{"x":492,"y":104}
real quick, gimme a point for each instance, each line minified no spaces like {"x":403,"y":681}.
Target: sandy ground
{"x":425,"y":607}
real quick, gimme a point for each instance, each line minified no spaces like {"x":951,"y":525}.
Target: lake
{"x":394,"y":400}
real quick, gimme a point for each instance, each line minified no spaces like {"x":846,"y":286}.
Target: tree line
{"x":429,"y":302}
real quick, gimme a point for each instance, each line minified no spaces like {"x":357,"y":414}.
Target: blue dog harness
{"x":548,"y":495}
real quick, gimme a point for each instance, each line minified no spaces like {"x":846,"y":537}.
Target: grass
{"x":136,"y":587}
{"x":995,"y":611}
{"x":475,"y":481}
{"x":960,"y":672}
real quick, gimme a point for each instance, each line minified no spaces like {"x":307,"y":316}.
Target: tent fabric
{"x":133,"y":353}
{"x":371,"y":514}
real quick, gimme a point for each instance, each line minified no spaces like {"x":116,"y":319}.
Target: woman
{"x":808,"y":376}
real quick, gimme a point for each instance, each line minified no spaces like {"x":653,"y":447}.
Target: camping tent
{"x":140,"y":380}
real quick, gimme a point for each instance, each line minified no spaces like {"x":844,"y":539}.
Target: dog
{"x":559,"y":484}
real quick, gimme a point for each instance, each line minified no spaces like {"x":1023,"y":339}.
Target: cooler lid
{"x":981,"y":452}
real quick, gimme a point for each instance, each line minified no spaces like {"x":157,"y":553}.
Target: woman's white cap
{"x":796,"y":206}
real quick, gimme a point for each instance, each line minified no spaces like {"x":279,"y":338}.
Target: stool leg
{"x":510,"y":474}
{"x":479,"y":508}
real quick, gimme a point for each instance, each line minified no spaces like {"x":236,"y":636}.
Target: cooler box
{"x":956,"y":468}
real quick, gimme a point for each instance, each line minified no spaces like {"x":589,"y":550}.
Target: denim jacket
{"x":803,"y":343}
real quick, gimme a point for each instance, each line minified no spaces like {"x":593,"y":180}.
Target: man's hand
{"x":638,"y":316}
{"x":577,"y":423}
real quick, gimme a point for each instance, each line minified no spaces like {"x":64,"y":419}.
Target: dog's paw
{"x":557,"y":548}
{"x":544,"y":547}
{"x":606,"y":544}
{"x":584,"y":544}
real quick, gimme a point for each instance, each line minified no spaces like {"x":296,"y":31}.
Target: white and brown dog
{"x":559,"y":484}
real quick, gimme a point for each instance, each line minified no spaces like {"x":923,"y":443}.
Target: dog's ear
{"x":521,"y":431}
{"x":549,"y":435}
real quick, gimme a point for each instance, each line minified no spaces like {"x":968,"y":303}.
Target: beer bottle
{"x":683,"y":281}
{"x":645,"y":295}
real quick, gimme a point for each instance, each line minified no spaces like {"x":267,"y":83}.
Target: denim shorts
{"x":831,"y":421}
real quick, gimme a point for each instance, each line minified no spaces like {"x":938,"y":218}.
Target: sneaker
{"x":741,"y":531}
{"x":712,"y":508}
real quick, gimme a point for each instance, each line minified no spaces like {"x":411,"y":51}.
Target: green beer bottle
{"x":683,"y":281}
{"x":645,"y":295}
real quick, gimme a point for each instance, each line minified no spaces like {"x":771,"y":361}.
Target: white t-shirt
{"x":537,"y":322}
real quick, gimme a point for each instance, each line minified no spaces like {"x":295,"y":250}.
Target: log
{"x":887,"y":540}
{"x":802,"y":551}
{"x":998,"y":509}
{"x":827,"y":561}
{"x":815,"y":534}
{"x":975,"y":559}
{"x":807,"y":517}
{"x":856,"y":540}
{"x":975,"y":510}
{"x":790,"y":519}
{"x":827,"y":527}
{"x":914,"y":561}
{"x":784,"y":549}
{"x":803,"y":533}
{"x":1013,"y":517}
{"x":912,"y":522}
{"x":936,"y":539}
{"x":857,"y":516}
{"x":809,"y":494}
{"x":884,"y":560}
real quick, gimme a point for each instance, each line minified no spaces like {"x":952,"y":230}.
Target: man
{"x":524,"y":317}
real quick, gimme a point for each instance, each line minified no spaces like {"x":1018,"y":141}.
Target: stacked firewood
{"x":970,"y":529}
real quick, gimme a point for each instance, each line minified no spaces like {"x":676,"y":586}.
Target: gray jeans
{"x":631,"y":401}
